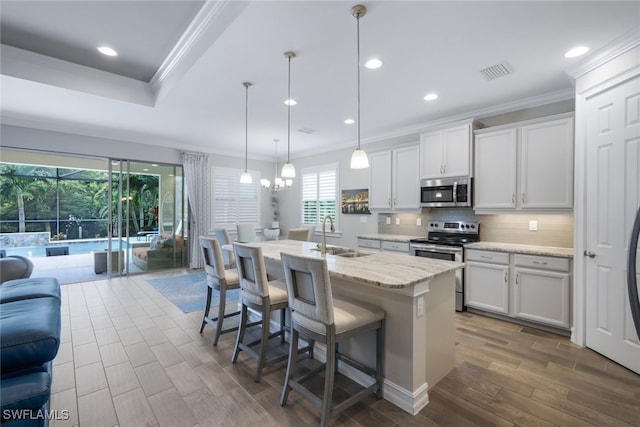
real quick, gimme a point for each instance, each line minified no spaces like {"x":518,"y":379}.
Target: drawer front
{"x":542,"y":262}
{"x":395,"y":246}
{"x":369,"y":243}
{"x":486,"y":256}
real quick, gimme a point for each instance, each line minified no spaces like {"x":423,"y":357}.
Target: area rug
{"x":189,"y":291}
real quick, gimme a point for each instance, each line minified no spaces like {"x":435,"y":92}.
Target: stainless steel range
{"x":445,"y":241}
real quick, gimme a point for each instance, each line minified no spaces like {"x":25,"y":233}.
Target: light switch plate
{"x":397,"y":221}
{"x":388,"y":220}
{"x":533,"y":225}
{"x":363,"y":219}
{"x":419,"y":222}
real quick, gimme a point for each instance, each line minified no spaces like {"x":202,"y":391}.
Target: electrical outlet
{"x":363,"y":219}
{"x":420,"y":306}
{"x":397,"y":221}
{"x":533,"y":225}
{"x":388,"y":220}
{"x":419,"y":222}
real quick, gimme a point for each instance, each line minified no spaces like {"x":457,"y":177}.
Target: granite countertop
{"x":522,"y":249}
{"x":383,"y":269}
{"x":389,"y":237}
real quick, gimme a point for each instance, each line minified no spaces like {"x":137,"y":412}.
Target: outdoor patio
{"x":71,"y":268}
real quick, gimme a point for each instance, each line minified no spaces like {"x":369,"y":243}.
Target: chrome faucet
{"x":323,"y":249}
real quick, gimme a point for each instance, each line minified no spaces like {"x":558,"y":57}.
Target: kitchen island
{"x":417,"y":295}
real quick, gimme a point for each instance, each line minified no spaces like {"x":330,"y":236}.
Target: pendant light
{"x":288,"y":171}
{"x":359,"y":159}
{"x":245,"y":178}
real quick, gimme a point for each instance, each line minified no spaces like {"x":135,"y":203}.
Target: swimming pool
{"x":76,"y":247}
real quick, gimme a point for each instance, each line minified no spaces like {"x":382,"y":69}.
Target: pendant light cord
{"x":289,"y":113}
{"x":358,"y":64}
{"x":246,"y":125}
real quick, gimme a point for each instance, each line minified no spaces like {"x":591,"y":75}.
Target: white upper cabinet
{"x":495,"y":167}
{"x":526,"y":167}
{"x":395,"y":179}
{"x":546,"y":172}
{"x":446,"y":152}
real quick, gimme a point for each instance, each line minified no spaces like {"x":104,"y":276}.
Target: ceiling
{"x":177,"y":80}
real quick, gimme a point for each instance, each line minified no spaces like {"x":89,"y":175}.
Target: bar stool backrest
{"x":252,"y":272}
{"x":223,"y":238}
{"x":308,"y":287}
{"x":212,"y":254}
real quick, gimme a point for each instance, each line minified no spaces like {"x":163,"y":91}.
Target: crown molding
{"x":209,"y":23}
{"x":508,"y":107}
{"x":610,"y":51}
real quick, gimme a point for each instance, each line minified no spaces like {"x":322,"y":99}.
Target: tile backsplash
{"x":553,"y":230}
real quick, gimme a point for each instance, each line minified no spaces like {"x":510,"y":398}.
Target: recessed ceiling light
{"x":290,"y":102}
{"x":576,"y":51}
{"x":373,"y":63}
{"x":106,"y":50}
{"x":431,"y":97}
{"x":349,"y":121}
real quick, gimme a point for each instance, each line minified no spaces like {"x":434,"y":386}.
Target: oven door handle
{"x":444,"y":251}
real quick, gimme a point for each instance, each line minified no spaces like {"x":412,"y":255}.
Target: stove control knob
{"x":473,"y":226}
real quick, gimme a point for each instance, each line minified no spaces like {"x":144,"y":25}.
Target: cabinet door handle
{"x":517,"y":278}
{"x":389,"y":201}
{"x":441,"y":170}
{"x":513,"y":198}
{"x":486,"y":257}
{"x":395,"y":202}
{"x":540,"y":262}
{"x":523,"y":198}
{"x":506,"y":278}
{"x":444,"y":168}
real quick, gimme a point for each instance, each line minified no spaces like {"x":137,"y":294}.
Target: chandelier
{"x":278,"y":183}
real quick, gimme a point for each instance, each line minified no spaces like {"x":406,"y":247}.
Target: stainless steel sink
{"x":353,"y":254}
{"x":343,"y":252}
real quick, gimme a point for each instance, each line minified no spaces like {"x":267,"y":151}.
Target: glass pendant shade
{"x":245,"y":178}
{"x":288,"y":170}
{"x":359,"y":159}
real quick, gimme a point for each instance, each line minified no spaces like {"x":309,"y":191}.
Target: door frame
{"x":614,"y":65}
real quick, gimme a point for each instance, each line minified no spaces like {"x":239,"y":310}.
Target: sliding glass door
{"x":146,"y":216}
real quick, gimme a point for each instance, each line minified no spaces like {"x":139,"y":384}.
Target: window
{"x":319,"y":194}
{"x":234,"y":202}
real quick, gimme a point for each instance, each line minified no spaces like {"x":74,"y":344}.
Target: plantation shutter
{"x":234,"y":202}
{"x":319,"y":194}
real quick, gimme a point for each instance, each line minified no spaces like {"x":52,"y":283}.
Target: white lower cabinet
{"x":540,"y":294}
{"x":487,"y":282}
{"x":527,"y":287}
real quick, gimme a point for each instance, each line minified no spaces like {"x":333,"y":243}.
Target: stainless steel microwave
{"x":445,"y":192}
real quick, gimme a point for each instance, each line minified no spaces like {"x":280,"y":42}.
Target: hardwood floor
{"x":131,"y":358}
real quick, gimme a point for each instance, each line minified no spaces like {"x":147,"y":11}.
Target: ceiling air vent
{"x":306,"y":130}
{"x":495,"y":71}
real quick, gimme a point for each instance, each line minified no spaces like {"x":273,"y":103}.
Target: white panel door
{"x":612,"y":194}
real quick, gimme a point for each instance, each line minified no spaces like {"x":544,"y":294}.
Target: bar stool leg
{"x":207,"y":307}
{"x":241,"y":329}
{"x":325,"y":410}
{"x":221,"y":310}
{"x":264,"y":341}
{"x":291,"y":366}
